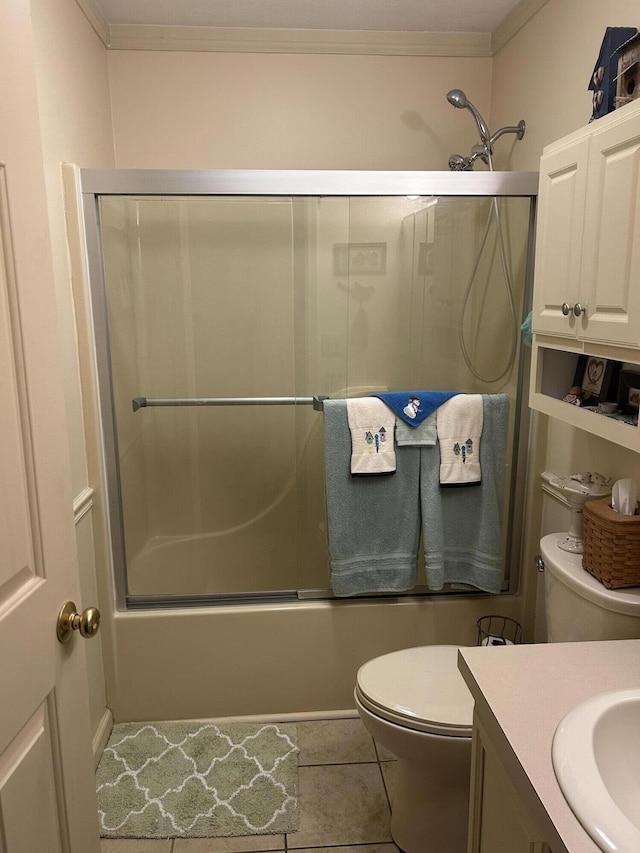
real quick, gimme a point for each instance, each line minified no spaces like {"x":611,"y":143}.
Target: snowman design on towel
{"x":463,"y":451}
{"x":412,"y":408}
{"x":379,"y":438}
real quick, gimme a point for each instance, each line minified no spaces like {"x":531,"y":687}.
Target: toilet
{"x":578,"y":607}
{"x":414,"y":702}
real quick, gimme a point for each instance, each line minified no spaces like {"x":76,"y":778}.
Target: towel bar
{"x":145,"y":402}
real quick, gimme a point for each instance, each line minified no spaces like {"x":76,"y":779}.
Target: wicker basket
{"x":611,"y":545}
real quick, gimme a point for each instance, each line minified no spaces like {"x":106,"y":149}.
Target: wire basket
{"x":498,"y":631}
{"x":611,"y":546}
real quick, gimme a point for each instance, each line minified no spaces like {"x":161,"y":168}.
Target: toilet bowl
{"x":415,"y":703}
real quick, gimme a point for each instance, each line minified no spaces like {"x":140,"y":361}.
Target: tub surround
{"x":271,"y":659}
{"x":521,"y":694}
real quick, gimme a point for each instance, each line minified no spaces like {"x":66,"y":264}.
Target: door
{"x":47,"y":791}
{"x":611,"y":268}
{"x":561,"y":200}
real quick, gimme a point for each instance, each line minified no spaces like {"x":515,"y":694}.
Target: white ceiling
{"x":453,"y":16}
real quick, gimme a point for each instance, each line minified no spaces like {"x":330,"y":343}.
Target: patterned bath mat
{"x":198,"y":780}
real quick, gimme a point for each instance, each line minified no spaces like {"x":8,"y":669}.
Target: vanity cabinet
{"x":587,"y":271}
{"x":498,"y":818}
{"x":586,"y":294}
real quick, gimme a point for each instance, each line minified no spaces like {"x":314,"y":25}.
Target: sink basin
{"x":596,"y":759}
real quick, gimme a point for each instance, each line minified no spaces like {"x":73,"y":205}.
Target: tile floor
{"x":345,"y":783}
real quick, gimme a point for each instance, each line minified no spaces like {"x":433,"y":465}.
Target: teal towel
{"x":425,"y":434}
{"x":373,"y":522}
{"x":462,"y":527}
{"x":527,"y":330}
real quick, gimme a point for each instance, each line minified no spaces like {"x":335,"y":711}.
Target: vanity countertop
{"x":522,"y":693}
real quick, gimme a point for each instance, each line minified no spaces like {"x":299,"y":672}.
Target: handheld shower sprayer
{"x":457,"y":163}
{"x":458,"y":99}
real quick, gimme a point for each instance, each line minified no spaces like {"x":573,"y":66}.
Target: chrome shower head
{"x":458,"y":99}
{"x":458,"y":163}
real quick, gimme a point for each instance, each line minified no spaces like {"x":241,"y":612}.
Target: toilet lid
{"x":418,"y":688}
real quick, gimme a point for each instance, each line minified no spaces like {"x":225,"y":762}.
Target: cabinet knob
{"x":566,"y":309}
{"x":578,"y":309}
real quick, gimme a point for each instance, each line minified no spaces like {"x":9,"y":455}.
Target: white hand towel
{"x":372,"y":446}
{"x":459,"y":428}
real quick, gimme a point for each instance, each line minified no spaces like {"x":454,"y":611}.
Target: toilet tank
{"x":579,"y":607}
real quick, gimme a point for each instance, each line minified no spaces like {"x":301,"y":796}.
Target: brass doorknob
{"x":69,"y":620}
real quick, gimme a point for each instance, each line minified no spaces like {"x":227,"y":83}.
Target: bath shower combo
{"x":458,"y":163}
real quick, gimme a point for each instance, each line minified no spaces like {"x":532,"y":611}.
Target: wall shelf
{"x":554,"y":370}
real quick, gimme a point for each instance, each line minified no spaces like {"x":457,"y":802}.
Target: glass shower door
{"x":261,"y":303}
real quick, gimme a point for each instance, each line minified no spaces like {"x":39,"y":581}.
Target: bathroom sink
{"x":596,"y":759}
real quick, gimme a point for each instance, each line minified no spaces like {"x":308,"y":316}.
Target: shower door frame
{"x":95,"y":183}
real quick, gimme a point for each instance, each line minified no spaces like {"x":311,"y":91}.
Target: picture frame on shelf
{"x":598,"y":379}
{"x":629,"y":391}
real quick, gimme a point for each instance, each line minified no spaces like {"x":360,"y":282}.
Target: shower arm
{"x":518,"y":130}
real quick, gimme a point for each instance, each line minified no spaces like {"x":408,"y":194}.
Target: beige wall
{"x":267,"y":111}
{"x":542,"y":75}
{"x":208,"y":110}
{"x":75,"y":123}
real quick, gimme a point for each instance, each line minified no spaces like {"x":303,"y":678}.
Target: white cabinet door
{"x":498,"y":820}
{"x":561,"y":204}
{"x":611,"y":265}
{"x":47,"y":787}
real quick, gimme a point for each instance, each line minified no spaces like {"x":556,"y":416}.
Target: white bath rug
{"x":198,"y":780}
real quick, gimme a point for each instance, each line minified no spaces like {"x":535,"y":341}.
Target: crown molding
{"x":249,"y":40}
{"x":365,"y":42}
{"x":94,"y":16}
{"x":513,"y":23}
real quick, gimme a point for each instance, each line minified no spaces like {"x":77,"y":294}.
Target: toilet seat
{"x":420,"y":689}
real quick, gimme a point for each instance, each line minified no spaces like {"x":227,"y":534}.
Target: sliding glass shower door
{"x":225,"y":315}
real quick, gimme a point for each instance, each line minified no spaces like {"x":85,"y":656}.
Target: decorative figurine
{"x":574,"y":396}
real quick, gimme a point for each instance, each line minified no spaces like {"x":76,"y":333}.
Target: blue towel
{"x":414,"y":406}
{"x":373,"y":522}
{"x":462,"y":528}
